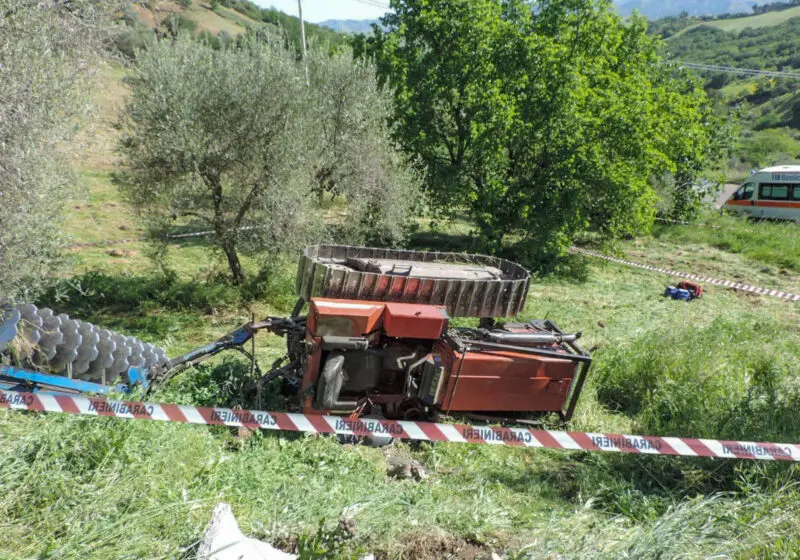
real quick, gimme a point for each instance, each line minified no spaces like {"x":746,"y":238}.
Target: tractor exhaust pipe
{"x":531,"y":338}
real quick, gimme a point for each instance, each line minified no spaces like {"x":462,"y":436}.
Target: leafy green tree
{"x":540,"y":121}
{"x":353,"y":155}
{"x":46,"y":49}
{"x":211,"y":136}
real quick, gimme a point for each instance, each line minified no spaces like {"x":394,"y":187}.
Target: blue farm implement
{"x":375,"y":341}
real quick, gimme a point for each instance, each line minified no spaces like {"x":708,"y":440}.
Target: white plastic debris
{"x":224,"y":541}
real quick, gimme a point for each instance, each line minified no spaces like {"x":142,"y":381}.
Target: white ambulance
{"x":772,"y":192}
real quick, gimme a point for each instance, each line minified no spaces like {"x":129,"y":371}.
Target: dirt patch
{"x":418,"y":547}
{"x":144,"y":15}
{"x":122,"y":253}
{"x":434,"y":547}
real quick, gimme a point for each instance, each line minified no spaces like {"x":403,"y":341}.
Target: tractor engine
{"x":405,"y":361}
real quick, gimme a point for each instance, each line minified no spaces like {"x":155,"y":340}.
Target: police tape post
{"x":399,"y":429}
{"x":739,"y":286}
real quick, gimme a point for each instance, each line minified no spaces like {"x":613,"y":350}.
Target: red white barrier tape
{"x":400,"y":429}
{"x":715,"y":281}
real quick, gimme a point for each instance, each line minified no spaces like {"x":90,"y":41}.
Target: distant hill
{"x":655,"y":9}
{"x":349,"y":25}
{"x":768,"y":109}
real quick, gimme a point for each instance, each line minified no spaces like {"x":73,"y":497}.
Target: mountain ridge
{"x":652,"y":9}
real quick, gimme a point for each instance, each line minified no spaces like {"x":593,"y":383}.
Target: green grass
{"x":99,"y":488}
{"x":213,"y":22}
{"x":767,"y":19}
{"x":235,"y":16}
{"x":737,"y":90}
{"x":775,"y":245}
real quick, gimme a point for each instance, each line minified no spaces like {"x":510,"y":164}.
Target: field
{"x":761,"y":20}
{"x":767,"y":19}
{"x":724,"y":366}
{"x":207,"y":20}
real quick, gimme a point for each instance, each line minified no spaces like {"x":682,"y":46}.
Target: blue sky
{"x":319,"y":10}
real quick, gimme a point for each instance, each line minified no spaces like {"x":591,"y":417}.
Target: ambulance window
{"x":795,"y":192}
{"x":745,"y":192}
{"x":767,"y":191}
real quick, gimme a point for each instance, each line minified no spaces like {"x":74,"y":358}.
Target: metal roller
{"x":51,"y":335}
{"x":67,"y":346}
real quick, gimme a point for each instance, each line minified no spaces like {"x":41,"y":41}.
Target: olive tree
{"x":213,"y":137}
{"x":46,"y":51}
{"x":353,"y":156}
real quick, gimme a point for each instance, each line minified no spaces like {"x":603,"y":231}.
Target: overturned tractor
{"x":376,"y":340}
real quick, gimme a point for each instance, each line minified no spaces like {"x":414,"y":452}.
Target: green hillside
{"x":766,"y":19}
{"x":289,"y":23}
{"x":761,"y":20}
{"x":225,"y":18}
{"x":767,"y":108}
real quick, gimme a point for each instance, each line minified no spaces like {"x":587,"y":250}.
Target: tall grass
{"x":756,"y":525}
{"x":774,"y":244}
{"x":723,"y":366}
{"x":73,"y":487}
{"x":729,"y":380}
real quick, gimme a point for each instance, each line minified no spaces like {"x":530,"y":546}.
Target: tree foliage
{"x":235,"y":139}
{"x":45,"y":50}
{"x":209,"y":136}
{"x":540,"y":119}
{"x":354,"y":157}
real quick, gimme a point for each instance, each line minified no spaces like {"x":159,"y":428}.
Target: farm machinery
{"x":377,"y":340}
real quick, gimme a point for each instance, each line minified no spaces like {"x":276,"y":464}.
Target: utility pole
{"x":302,"y":37}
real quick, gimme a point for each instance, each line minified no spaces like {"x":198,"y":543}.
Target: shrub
{"x":45,"y":52}
{"x":176,"y":24}
{"x":88,"y":293}
{"x":133,"y":39}
{"x":770,"y":120}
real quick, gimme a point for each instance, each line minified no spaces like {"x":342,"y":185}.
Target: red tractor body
{"x":406,"y":361}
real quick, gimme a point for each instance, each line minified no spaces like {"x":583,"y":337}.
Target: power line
{"x":374,"y":3}
{"x":747,"y":71}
